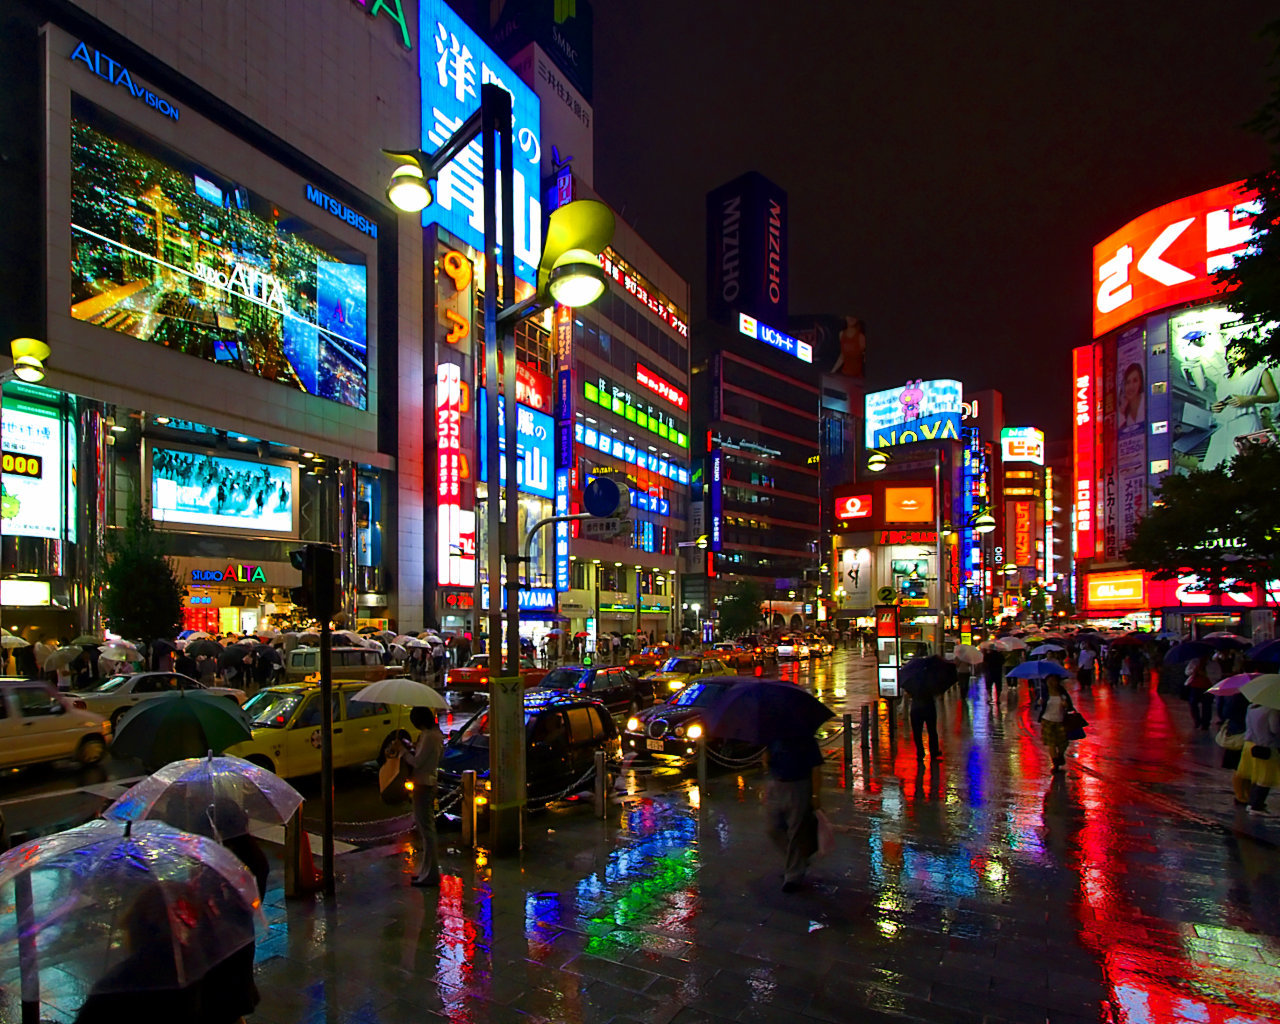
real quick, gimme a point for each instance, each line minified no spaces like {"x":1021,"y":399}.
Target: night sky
{"x":949,"y":166}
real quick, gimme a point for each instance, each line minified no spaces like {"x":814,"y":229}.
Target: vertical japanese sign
{"x":1110,"y":496}
{"x":564,"y":438}
{"x":1082,"y":402}
{"x":717,"y":499}
{"x":1023,"y":533}
{"x":1130,"y":383}
{"x":456,"y":529}
{"x":453,"y":65}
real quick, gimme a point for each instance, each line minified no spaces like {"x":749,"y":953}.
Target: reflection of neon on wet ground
{"x":462,"y":948}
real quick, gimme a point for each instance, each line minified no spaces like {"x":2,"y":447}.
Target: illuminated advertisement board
{"x":662,"y":388}
{"x":1022,"y":522}
{"x":1167,"y":257}
{"x":39,"y":489}
{"x":455,"y":526}
{"x":921,"y":410}
{"x":535,"y":447}
{"x":194,"y":488}
{"x":747,"y":250}
{"x":1082,"y":399}
{"x":166,"y":251}
{"x":1022,"y":444}
{"x":1120,"y":590}
{"x":452,"y":67}
{"x":639,"y":288}
{"x":599,"y":440}
{"x":1130,"y":383}
{"x":621,"y":402}
{"x":716,"y":511}
{"x":853,"y":506}
{"x":908,"y":505}
{"x":754,"y":328}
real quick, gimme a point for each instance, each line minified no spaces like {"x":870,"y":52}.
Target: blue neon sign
{"x":535,"y":443}
{"x":610,"y":445}
{"x":452,"y":68}
{"x":753,"y":328}
{"x":562,"y":531}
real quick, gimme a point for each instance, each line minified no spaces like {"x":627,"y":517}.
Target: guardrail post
{"x":293,"y":840}
{"x":848,"y":750}
{"x":702,"y":767}
{"x":469,"y":808}
{"x":866,"y":726}
{"x":601,"y":786}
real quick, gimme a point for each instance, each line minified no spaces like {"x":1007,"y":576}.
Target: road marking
{"x":104,"y":790}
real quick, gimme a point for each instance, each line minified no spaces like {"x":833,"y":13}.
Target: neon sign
{"x":394,"y":10}
{"x":117,"y":74}
{"x":661,"y":388}
{"x":1022,"y":444}
{"x":610,"y":445}
{"x":456,"y":531}
{"x":1082,"y":397}
{"x":855,"y":506}
{"x":619,"y":401}
{"x":753,"y":328}
{"x":645,"y":293}
{"x":234,"y":573}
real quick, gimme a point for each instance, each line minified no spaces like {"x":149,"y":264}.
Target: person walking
{"x":1198,"y":683}
{"x":794,"y":796}
{"x":1053,"y":729}
{"x":993,"y":672}
{"x":1233,"y":710}
{"x":1084,"y":666}
{"x":1259,"y":768}
{"x":423,"y":758}
{"x":924,"y":715}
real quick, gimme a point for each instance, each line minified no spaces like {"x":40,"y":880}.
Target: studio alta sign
{"x":234,"y":573}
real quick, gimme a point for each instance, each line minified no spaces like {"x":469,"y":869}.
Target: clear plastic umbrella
{"x":1010,"y":643}
{"x":211,"y":796}
{"x":135,"y":906}
{"x":967,"y":653}
{"x":61,"y":658}
{"x":11,"y":640}
{"x":400,"y":690}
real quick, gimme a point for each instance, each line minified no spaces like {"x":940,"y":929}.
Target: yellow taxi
{"x":676,"y":672}
{"x":285,"y":721}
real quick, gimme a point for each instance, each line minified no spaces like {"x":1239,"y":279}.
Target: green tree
{"x":1254,"y":278}
{"x":142,"y":595}
{"x":1221,"y":524}
{"x":739,"y":610}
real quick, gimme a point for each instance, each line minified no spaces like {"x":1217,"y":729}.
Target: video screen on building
{"x":168,"y":251}
{"x":192,"y":488}
{"x":1217,"y":405}
{"x":39,"y":485}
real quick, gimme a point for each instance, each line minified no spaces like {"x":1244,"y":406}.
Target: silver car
{"x":119,"y":694}
{"x":37,"y":724}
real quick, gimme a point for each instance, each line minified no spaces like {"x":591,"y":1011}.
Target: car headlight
{"x":694,"y":731}
{"x":674,"y":684}
{"x":633,"y":725}
{"x":678,"y":731}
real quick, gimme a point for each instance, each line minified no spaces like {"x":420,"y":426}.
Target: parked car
{"x":616,"y":687}
{"x":820,"y":646}
{"x":563,"y":731}
{"x":473,"y":677}
{"x":114,"y":696}
{"x":38,"y":724}
{"x":303,"y":664}
{"x":676,"y":672}
{"x":285,"y":721}
{"x":793,"y":647}
{"x":672,"y":729}
{"x":734,"y":655}
{"x":649,"y":657}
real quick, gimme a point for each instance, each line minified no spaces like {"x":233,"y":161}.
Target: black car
{"x":616,"y":687}
{"x":562,"y":734}
{"x":672,"y":729}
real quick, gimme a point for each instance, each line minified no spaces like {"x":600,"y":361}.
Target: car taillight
{"x":582,"y":686}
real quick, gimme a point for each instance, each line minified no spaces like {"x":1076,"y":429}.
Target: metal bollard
{"x":848,"y":750}
{"x":293,"y":840}
{"x":468,"y":808}
{"x":702,"y":767}
{"x":893,"y":719}
{"x":866,"y":725}
{"x":601,"y":786}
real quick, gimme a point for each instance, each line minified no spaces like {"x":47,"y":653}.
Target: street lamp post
{"x":568,"y":272}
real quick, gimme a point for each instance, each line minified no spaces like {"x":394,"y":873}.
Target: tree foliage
{"x":739,"y":610}
{"x":1254,"y":279}
{"x":142,"y":595}
{"x":1221,"y":524}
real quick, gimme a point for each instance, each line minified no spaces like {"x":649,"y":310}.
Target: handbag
{"x":1229,"y":740}
{"x":1261,"y":753}
{"x":826,"y":836}
{"x":393,"y":777}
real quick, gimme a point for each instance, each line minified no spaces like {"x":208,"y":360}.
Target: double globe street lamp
{"x":569,"y":273}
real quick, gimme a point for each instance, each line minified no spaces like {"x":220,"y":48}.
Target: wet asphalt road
{"x":976,"y":889}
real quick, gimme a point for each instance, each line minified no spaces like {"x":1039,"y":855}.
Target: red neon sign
{"x":533,"y":388}
{"x":455,"y":555}
{"x":1022,"y":524}
{"x":1168,"y":256}
{"x":661,"y":388}
{"x":855,"y":506}
{"x":1082,"y":401}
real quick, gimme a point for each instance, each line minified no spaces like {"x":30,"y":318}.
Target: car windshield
{"x":272,"y":709}
{"x":108,"y":685}
{"x":561,"y":678}
{"x":478,"y":661}
{"x":698,"y":695}
{"x":680,"y":665}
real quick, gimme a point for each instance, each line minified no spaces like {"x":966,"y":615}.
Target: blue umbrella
{"x":1268,"y":651}
{"x":765,"y":710}
{"x":1188,"y":651}
{"x":1037,"y":670}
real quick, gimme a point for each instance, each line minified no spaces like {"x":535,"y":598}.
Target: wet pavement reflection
{"x":974,"y":888}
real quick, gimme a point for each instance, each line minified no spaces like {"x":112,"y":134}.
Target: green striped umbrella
{"x":189,"y":724}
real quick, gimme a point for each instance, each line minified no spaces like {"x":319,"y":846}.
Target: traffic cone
{"x":300,"y":874}
{"x":309,"y":879}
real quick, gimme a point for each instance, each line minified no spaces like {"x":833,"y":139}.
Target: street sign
{"x":603,"y":496}
{"x":605,"y":529}
{"x":887,"y":595}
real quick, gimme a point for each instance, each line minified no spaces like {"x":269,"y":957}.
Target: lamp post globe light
{"x":568,"y":272}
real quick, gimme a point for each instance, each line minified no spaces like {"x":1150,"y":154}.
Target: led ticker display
{"x":609,"y":445}
{"x":645,"y":293}
{"x":191,"y":488}
{"x":1168,"y":256}
{"x":621,"y":402}
{"x":1022,"y":444}
{"x":452,"y":68}
{"x":163,"y":253}
{"x":754,"y":328}
{"x":666,"y":391}
{"x":921,"y":410}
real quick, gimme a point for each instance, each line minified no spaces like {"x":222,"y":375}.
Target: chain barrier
{"x":734,"y":762}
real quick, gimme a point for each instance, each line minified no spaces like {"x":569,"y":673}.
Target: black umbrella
{"x":267,"y":653}
{"x":927,"y":677}
{"x":204,"y":646}
{"x":161,"y":646}
{"x":1188,"y":651}
{"x":233,"y":656}
{"x":764,"y":710}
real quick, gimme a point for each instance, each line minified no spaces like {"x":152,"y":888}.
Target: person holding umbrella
{"x":1053,"y":726}
{"x":1259,"y":769}
{"x":424,"y":760}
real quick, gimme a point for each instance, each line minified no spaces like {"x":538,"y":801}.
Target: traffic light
{"x":319,"y":593}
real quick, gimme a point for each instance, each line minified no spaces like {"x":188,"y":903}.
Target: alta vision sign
{"x":234,"y":573}
{"x":117,"y":74}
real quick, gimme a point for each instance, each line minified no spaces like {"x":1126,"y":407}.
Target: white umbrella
{"x":1046,"y":649}
{"x":400,"y":690}
{"x":120,"y":650}
{"x":374,"y":645}
{"x":1010,"y":643}
{"x":413,"y":641}
{"x":967,"y":653}
{"x":10,"y":640}
{"x":42,"y":652}
{"x":398,"y":652}
{"x":61,"y":658}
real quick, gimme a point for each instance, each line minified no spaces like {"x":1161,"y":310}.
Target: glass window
{"x":363,"y":708}
{"x":549,"y":728}
{"x":37,"y":702}
{"x":582,"y":725}
{"x":272,"y":708}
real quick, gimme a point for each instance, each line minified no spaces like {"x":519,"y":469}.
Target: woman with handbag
{"x":1232,"y":710}
{"x":423,"y":758}
{"x":1054,"y":720}
{"x":1259,"y":768}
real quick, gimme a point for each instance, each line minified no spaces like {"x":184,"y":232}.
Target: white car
{"x":820,"y":647}
{"x":118,"y":694}
{"x":37,"y":724}
{"x":793,"y":647}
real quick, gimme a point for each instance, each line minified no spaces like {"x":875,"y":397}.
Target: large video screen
{"x":38,"y":472}
{"x":192,"y":488}
{"x":168,"y":251}
{"x":1217,"y":405}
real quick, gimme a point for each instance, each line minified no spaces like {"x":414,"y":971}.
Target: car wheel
{"x":261,"y":761}
{"x":116,"y":715}
{"x":92,"y":749}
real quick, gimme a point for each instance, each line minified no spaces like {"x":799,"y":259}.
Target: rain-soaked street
{"x":978,"y":888}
